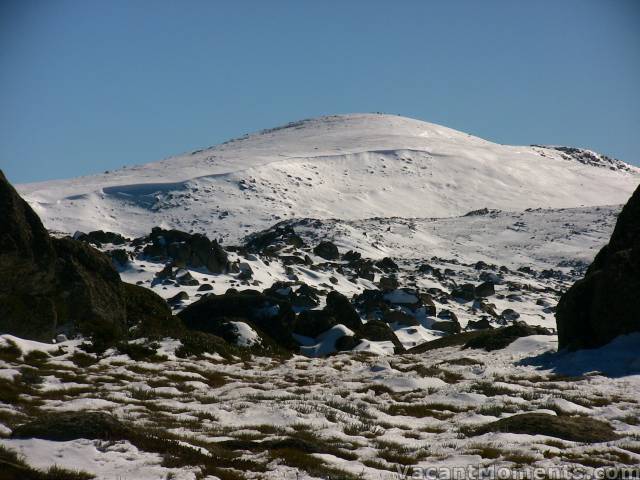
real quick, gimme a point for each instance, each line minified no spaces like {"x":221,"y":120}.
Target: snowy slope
{"x":347,"y":166}
{"x":538,"y":238}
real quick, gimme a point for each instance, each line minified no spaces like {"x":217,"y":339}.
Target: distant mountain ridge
{"x":349,"y":167}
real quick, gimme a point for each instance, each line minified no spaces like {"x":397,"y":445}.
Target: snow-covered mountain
{"x":349,"y":167}
{"x":445,"y":247}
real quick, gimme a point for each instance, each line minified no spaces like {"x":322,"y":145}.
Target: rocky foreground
{"x":172,"y":410}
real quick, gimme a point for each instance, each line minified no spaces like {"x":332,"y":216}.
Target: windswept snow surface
{"x":345,"y":166}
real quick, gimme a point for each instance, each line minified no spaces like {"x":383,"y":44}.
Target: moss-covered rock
{"x":575,"y":429}
{"x":66,"y":426}
{"x":197,"y":343}
{"x":495,"y":339}
{"x":147,"y":312}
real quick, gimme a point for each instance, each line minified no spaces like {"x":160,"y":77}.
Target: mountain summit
{"x":342,"y":166}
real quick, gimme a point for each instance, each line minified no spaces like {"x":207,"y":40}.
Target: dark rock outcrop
{"x":300,"y":295}
{"x":347,"y":342}
{"x":270,"y":315}
{"x":178,"y":298}
{"x":184,"y":277}
{"x":273,"y":239}
{"x":446,"y":314}
{"x":338,"y":310}
{"x":482,"y":324}
{"x":606,"y":302}
{"x":143,"y":305}
{"x":119,"y":257}
{"x":400,"y":317}
{"x":27,"y":255}
{"x":100,"y":237}
{"x":89,"y":291}
{"x":509,"y":315}
{"x":352,"y":256}
{"x":185,"y":249}
{"x":364,"y":268}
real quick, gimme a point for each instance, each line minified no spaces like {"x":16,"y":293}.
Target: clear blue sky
{"x":89,"y":85}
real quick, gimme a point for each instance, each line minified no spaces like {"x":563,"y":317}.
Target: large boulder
{"x":363,"y":268}
{"x":50,"y":285}
{"x":606,"y":303}
{"x":312,"y":323}
{"x":388,"y":284}
{"x":489,"y":340}
{"x":299,"y":294}
{"x":59,"y":285}
{"x":400,"y":317}
{"x":378,"y":331}
{"x":387,"y":265}
{"x":327,"y":250}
